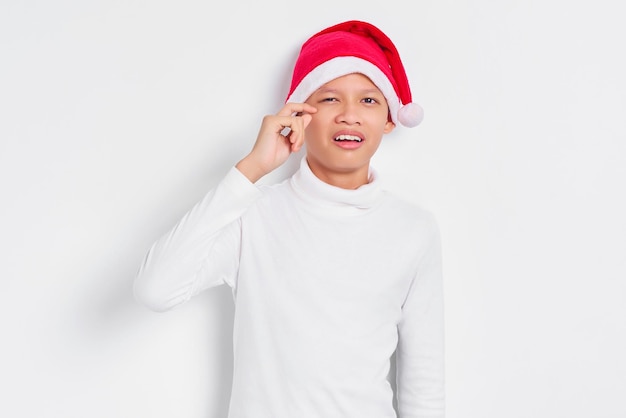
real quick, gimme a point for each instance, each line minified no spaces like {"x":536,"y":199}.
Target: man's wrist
{"x":250,"y":169}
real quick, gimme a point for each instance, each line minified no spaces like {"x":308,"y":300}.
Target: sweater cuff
{"x":241,"y":187}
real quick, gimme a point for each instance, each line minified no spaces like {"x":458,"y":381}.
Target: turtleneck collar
{"x":314,"y":191}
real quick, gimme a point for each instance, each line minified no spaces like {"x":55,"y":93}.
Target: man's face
{"x":346,"y":130}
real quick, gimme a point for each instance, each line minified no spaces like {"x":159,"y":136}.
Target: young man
{"x":330,"y":274}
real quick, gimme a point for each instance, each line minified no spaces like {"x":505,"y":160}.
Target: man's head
{"x":355,"y":47}
{"x":346,"y":130}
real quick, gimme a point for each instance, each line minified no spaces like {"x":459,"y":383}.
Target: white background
{"x":117,"y":116}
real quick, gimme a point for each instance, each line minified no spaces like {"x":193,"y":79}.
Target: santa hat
{"x":355,"y":47}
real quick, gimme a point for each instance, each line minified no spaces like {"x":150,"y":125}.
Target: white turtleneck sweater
{"x":327,"y":284}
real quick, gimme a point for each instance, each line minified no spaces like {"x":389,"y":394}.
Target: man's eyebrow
{"x":372,"y":91}
{"x":326,"y":90}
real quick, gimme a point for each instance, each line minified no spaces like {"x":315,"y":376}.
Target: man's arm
{"x":201,"y":251}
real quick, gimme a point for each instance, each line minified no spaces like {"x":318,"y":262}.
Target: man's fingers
{"x":295,"y":123}
{"x":295,"y":108}
{"x":306,"y":118}
{"x":296,"y":137}
{"x":290,"y":123}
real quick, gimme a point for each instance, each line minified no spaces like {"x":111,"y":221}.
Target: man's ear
{"x":389,"y":126}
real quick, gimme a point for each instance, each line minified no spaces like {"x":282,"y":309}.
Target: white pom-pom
{"x":410,"y":115}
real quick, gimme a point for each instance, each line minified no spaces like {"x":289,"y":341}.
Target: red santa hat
{"x":355,"y":47}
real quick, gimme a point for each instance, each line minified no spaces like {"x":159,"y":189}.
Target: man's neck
{"x":349,"y":179}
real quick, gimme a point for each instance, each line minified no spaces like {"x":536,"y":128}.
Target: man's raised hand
{"x":279,"y":136}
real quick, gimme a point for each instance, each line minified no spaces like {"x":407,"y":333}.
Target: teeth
{"x":348,"y":138}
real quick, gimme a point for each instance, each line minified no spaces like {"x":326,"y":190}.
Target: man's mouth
{"x":342,"y":138}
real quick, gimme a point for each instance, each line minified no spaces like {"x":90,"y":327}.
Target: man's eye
{"x":329,"y":99}
{"x":370,"y":100}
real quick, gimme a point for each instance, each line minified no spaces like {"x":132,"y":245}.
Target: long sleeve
{"x":420,"y":351}
{"x":202,"y":249}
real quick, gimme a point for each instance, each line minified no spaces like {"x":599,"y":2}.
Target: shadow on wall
{"x":108,"y":332}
